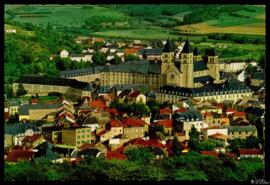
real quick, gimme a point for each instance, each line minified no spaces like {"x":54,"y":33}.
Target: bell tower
{"x":213,"y":64}
{"x":186,"y":64}
{"x":167,"y":56}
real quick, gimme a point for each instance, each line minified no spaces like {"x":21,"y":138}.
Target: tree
{"x":176,"y":147}
{"x":131,"y":58}
{"x":99,"y":58}
{"x":141,"y":155}
{"x":21,"y":90}
{"x":193,"y":141}
{"x":261,"y":61}
{"x":189,"y":175}
{"x":252,"y":142}
{"x":237,"y":143}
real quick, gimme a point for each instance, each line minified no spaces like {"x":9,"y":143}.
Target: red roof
{"x":146,"y":143}
{"x":223,"y":116}
{"x":132,"y":122}
{"x":220,"y":105}
{"x":116,"y":123}
{"x":230,"y":110}
{"x":167,"y":123}
{"x":131,"y":51}
{"x":16,"y":155}
{"x":250,"y":151}
{"x":31,"y":138}
{"x":21,"y":147}
{"x":112,"y":111}
{"x":169,"y":145}
{"x":207,"y":114}
{"x":165,"y":111}
{"x":115,"y":155}
{"x":98,"y":104}
{"x":6,"y":115}
{"x":233,"y":155}
{"x":239,"y":114}
{"x":211,"y":153}
{"x":182,"y":109}
{"x":34,"y":101}
{"x":135,"y":94}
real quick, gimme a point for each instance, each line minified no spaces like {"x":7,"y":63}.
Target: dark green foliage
{"x":176,"y":147}
{"x":252,"y":142}
{"x":141,"y":155}
{"x":21,"y":91}
{"x":99,"y":58}
{"x":235,"y":144}
{"x":191,"y":166}
{"x":131,"y":58}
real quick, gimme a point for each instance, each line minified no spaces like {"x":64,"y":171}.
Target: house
{"x":242,"y":132}
{"x":134,"y":128}
{"x":64,"y":54}
{"x":97,"y":104}
{"x":215,"y":132}
{"x":131,"y":51}
{"x":237,"y":115}
{"x":169,"y":147}
{"x":104,"y":49}
{"x":219,"y":137}
{"x":150,"y":54}
{"x":114,"y":128}
{"x":258,"y":78}
{"x":77,"y":57}
{"x":210,"y":108}
{"x":15,"y":133}
{"x":37,"y":111}
{"x":88,"y":57}
{"x":246,"y":153}
{"x":52,"y":133}
{"x":33,"y":140}
{"x":100,"y":40}
{"x":76,"y":136}
{"x":230,"y":111}
{"x":16,"y":155}
{"x":14,"y":106}
{"x":167,"y":124}
{"x":185,"y":120}
{"x":137,"y":97}
{"x":91,"y":122}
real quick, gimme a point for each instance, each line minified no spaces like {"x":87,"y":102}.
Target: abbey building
{"x":188,"y":70}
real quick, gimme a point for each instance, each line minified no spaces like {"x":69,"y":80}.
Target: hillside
{"x":143,"y":21}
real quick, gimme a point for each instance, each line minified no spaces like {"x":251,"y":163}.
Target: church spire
{"x":168,"y":46}
{"x":187,"y":48}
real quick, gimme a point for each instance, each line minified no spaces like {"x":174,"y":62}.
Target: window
{"x":83,"y":136}
{"x":83,"y":131}
{"x":78,"y":142}
{"x":78,"y":137}
{"x":88,"y":130}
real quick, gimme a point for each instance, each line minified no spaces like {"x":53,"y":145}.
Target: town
{"x":180,"y":107}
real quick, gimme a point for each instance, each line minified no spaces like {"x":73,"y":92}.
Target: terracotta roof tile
{"x":250,"y":151}
{"x":165,"y":111}
{"x":131,"y":51}
{"x":115,"y":155}
{"x":239,"y":114}
{"x":116,"y":123}
{"x":132,"y":122}
{"x":16,"y":155}
{"x":168,"y":123}
{"x":135,"y":94}
{"x":211,"y":153}
{"x":98,"y":104}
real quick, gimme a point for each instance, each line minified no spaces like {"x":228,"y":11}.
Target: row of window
{"x":83,"y":136}
{"x":246,"y":132}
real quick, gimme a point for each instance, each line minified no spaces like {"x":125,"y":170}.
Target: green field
{"x":140,"y":21}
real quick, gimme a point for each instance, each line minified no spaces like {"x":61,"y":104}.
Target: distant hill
{"x":149,"y":21}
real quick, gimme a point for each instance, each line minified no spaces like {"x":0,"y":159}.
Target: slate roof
{"x":199,"y":66}
{"x":53,"y":81}
{"x":24,"y":109}
{"x":154,"y":51}
{"x":88,"y":152}
{"x":196,"y":52}
{"x":211,"y":52}
{"x":242,"y":128}
{"x":203,"y":79}
{"x":187,"y":116}
{"x":14,"y":103}
{"x":206,"y":90}
{"x":14,"y":129}
{"x":259,"y":75}
{"x":187,"y":48}
{"x":168,"y":47}
{"x":80,"y":72}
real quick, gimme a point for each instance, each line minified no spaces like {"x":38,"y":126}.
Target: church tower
{"x":167,"y":56}
{"x":213,"y":64}
{"x":186,"y":64}
{"x":196,"y":55}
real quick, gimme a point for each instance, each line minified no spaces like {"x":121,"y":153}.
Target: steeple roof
{"x":212,"y":52}
{"x":196,"y":52}
{"x":168,"y":46}
{"x":187,"y":48}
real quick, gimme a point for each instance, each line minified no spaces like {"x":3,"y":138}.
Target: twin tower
{"x":189,"y":69}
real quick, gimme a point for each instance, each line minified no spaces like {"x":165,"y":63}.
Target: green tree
{"x":21,"y":90}
{"x":99,"y":58}
{"x":252,"y":142}
{"x":189,"y":175}
{"x":141,"y":155}
{"x":131,"y":58}
{"x":176,"y":147}
{"x":237,"y":143}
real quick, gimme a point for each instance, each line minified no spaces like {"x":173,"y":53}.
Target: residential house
{"x":184,"y":121}
{"x":242,"y":132}
{"x":258,"y":78}
{"x":221,"y":132}
{"x":167,"y":124}
{"x":91,"y":122}
{"x":76,"y":136}
{"x":64,"y":54}
{"x":134,"y":128}
{"x":52,"y":133}
{"x":20,"y":154}
{"x":114,"y":128}
{"x":77,"y":57}
{"x":246,"y":153}
{"x":137,"y":97}
{"x":150,"y":54}
{"x":33,"y":140}
{"x":37,"y":111}
{"x":14,"y":106}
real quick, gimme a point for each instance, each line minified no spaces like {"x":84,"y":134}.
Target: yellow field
{"x":204,"y":28}
{"x":18,"y":30}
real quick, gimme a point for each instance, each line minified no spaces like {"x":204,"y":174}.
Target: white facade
{"x":64,"y":54}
